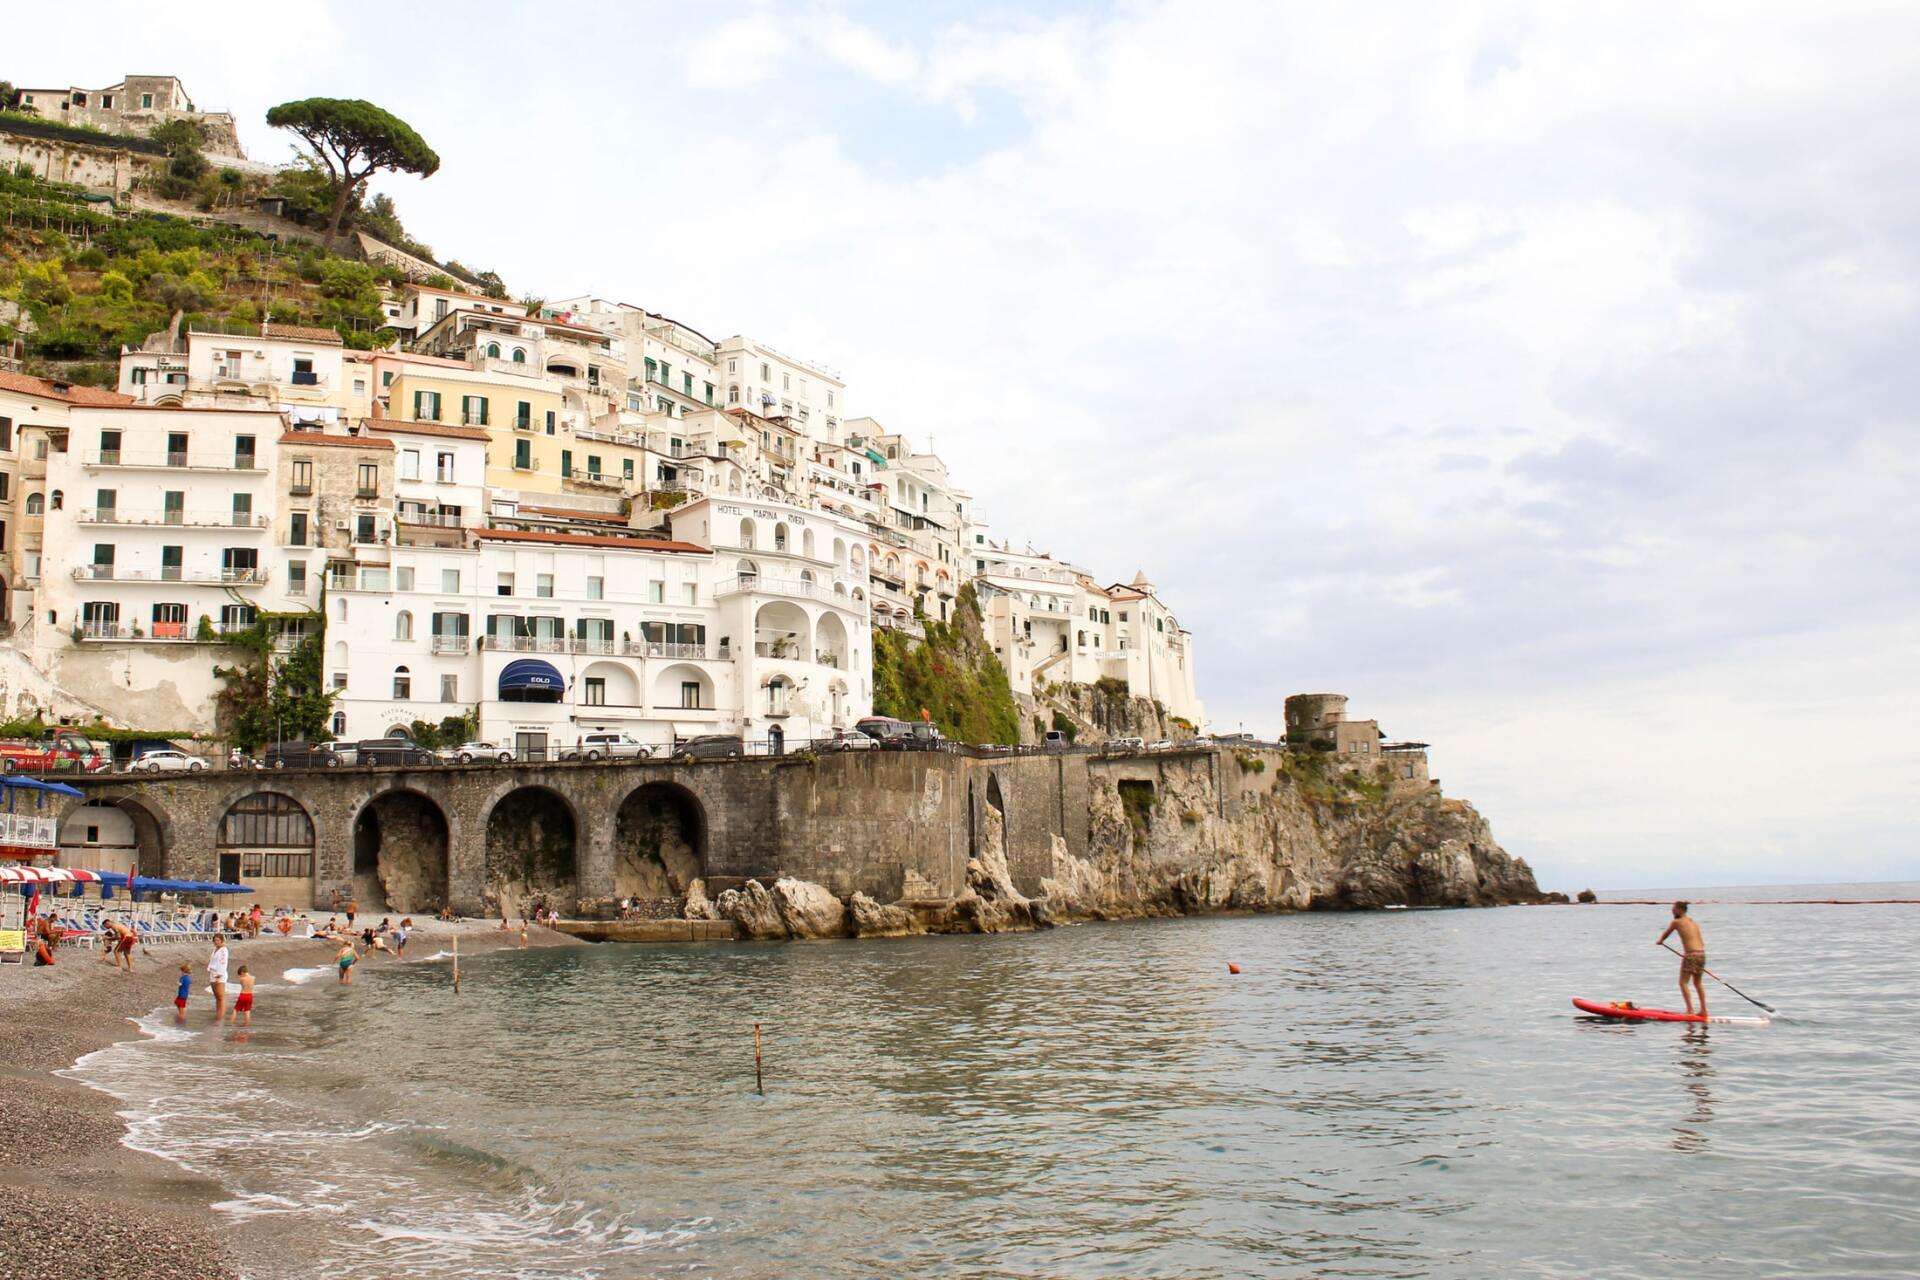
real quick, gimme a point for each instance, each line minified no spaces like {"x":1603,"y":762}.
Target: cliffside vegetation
{"x":953,"y":674}
{"x":267,"y":700}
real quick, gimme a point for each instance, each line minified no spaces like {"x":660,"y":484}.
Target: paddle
{"x":1723,"y":982}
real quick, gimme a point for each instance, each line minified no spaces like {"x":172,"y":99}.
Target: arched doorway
{"x":400,"y":854}
{"x":660,"y":838}
{"x":776,"y":740}
{"x":531,"y":853}
{"x":266,"y":841}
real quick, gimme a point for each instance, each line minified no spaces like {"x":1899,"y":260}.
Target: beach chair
{"x":75,"y":933}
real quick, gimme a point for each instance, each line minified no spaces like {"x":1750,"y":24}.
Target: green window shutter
{"x":419,"y":405}
{"x":566,"y":462}
{"x":523,"y":416}
{"x":523,"y":454}
{"x":650,"y":368}
{"x":483,"y":409}
{"x":626,"y":468}
{"x":549,"y":422}
{"x":593,"y":464}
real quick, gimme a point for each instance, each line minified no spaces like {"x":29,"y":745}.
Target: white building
{"x":775,"y":385}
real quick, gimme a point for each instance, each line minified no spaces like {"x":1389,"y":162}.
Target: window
{"x":366,"y":529}
{"x":596,"y":588}
{"x":522,"y":415}
{"x":106,"y":102}
{"x":146,"y":102}
{"x":339,"y":717}
{"x":403,"y":578}
{"x":449,"y":688}
{"x":243,"y":453}
{"x":174,"y":506}
{"x":426,"y":406}
{"x":733,"y":366}
{"x":686,"y":384}
{"x":689,"y":695}
{"x":593,"y":464}
{"x":473,"y":411}
{"x":359,"y":386}
{"x":6,"y":434}
{"x":523,"y":455}
{"x":266,"y":820}
{"x":403,"y":626}
{"x":543,"y":585}
{"x":103,"y":559}
{"x":36,"y":503}
{"x":409,"y":464}
{"x":104,"y":502}
{"x":691,"y":591}
{"x":519,"y":356}
{"x":386,"y":379}
{"x":766,"y":374}
{"x":626,"y":473}
{"x":493,"y":351}
{"x":402,"y":684}
{"x":596,"y":694}
{"x":733,"y":393}
{"x":656,"y":593}
{"x":450,"y":581}
{"x":297,"y":529}
{"x":549,"y":422}
{"x":242,"y":510}
{"x":709,"y":387}
{"x":369,"y":480}
{"x":176,"y":448}
{"x":443,"y":468}
{"x":296,"y":577}
{"x":503,"y":585}
{"x":236,"y":617}
{"x":566,"y":463}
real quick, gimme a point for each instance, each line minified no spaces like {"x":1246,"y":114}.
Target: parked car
{"x":1162,"y":745}
{"x":300,"y":755}
{"x":349,"y":752}
{"x":468,"y":752}
{"x":392,"y":751}
{"x":1126,"y":744}
{"x":607,"y":746}
{"x":710,"y":746}
{"x":845,"y":740}
{"x":891,"y":734}
{"x":168,"y":762}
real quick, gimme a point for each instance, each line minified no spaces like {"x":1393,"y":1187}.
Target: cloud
{"x":735,"y":55}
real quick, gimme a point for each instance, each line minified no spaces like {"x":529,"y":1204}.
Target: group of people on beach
{"x":242,"y":1012}
{"x":386,"y":938}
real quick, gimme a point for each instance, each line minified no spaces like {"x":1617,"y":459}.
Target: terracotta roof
{"x":568,"y":513}
{"x":72,"y":395}
{"x":588,"y":540}
{"x":302,"y":333}
{"x":401,"y":427}
{"x":304,"y":438}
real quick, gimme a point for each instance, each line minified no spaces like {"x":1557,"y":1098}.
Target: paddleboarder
{"x":1693,"y":963}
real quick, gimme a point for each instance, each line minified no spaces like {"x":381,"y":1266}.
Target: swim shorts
{"x":1693,"y":964}
{"x":125,"y":944}
{"x":243,"y":1002}
{"x":180,"y":1002}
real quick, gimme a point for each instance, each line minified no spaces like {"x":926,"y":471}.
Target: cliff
{"x":1301,"y":835}
{"x":952,"y":675}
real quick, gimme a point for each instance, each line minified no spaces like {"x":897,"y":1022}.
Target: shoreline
{"x":80,"y":1200}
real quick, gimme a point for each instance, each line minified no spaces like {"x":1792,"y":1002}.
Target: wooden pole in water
{"x":759,"y":1083}
{"x":456,"y":964}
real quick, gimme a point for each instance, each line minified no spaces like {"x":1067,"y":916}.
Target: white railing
{"x":178,"y":460}
{"x":528,"y":644}
{"x":589,"y":644}
{"x":449,"y":644}
{"x":429,"y":519}
{"x":108,"y":573}
{"x":183,"y":519}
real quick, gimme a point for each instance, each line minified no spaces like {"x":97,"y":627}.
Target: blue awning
{"x":531,"y":674}
{"x":8,"y":783}
{"x":150,"y":884}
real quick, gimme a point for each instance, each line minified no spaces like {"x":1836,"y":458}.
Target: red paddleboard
{"x":1627,"y":1011}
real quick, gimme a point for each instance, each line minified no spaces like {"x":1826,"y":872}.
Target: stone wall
{"x":103,"y":167}
{"x":953,"y":842}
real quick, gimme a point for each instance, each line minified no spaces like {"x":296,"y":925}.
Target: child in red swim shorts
{"x":186,"y":990}
{"x":243,"y":1003}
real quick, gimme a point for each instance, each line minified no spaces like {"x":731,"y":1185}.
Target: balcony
{"x":591,"y":644}
{"x":672,"y":649}
{"x":429,"y":519}
{"x":169,"y":460}
{"x":526,"y":464}
{"x":598,"y":480}
{"x":160,"y":632}
{"x":176,"y":518}
{"x":449,"y":644}
{"x":222,"y":577}
{"x":522,"y":422}
{"x":300,"y":490}
{"x":779,"y":587}
{"x":444,"y":477}
{"x":364,"y":492}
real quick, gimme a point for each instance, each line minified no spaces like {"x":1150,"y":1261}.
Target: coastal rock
{"x":872,"y":919}
{"x":809,"y":910}
{"x":754,"y":910}
{"x":699,"y":906}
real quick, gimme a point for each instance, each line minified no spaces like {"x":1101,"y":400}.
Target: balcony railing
{"x":591,"y":644}
{"x":225,"y":577}
{"x":300,"y":490}
{"x":430,"y":519}
{"x":162,"y":632}
{"x":170,"y":516}
{"x":449,"y":644}
{"x":364,"y":492}
{"x":777,"y":586}
{"x":528,"y":644}
{"x":598,"y":480}
{"x":674,"y":649}
{"x":170,"y":459}
{"x":521,"y":422}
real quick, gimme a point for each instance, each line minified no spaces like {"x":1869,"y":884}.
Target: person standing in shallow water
{"x":1694,"y":962}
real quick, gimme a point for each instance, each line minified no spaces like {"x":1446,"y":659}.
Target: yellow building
{"x":529,"y":442}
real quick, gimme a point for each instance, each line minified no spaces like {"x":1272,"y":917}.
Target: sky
{"x":1541,"y":377}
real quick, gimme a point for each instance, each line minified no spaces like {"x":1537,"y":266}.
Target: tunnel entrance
{"x":400,"y":854}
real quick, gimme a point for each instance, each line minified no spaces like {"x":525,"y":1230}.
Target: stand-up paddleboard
{"x":1627,"y":1011}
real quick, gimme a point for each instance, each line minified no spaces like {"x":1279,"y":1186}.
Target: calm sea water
{"x":1406,"y":1094}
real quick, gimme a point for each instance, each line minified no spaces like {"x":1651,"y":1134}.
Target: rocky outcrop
{"x":1307,"y":835}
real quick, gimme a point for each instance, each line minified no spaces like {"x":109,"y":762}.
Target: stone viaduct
{"x":486,"y":837}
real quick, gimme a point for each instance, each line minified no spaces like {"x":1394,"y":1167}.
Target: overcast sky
{"x":1543,"y":377}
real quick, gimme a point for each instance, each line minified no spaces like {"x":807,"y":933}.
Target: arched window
{"x":403,"y":626}
{"x":1083,"y":639}
{"x":519,"y":356}
{"x":748,"y":534}
{"x":402,"y":683}
{"x":57,"y":499}
{"x":340,"y":608}
{"x":340,"y":655}
{"x":733,"y":393}
{"x":780,"y":537}
{"x":806,"y":576}
{"x":267,"y":820}
{"x":493,"y":351}
{"x":36,"y":504}
{"x":747,"y":570}
{"x":778,"y":690}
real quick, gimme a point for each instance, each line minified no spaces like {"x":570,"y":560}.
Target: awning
{"x":532,"y":673}
{"x":876,"y":457}
{"x":45,"y":875}
{"x":10,"y":783}
{"x":149,"y":884}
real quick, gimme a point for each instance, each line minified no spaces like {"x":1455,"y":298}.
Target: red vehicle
{"x":60,"y":753}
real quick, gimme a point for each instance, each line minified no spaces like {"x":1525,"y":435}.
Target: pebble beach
{"x":73,"y":1199}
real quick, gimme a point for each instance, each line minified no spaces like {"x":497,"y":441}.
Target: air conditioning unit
{"x":340,"y":524}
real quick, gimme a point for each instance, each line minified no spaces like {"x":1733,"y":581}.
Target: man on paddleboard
{"x":1694,"y":963}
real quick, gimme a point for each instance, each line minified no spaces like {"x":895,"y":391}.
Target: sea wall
{"x":856,"y":842}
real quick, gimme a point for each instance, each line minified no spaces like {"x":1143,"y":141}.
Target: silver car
{"x":468,"y":752}
{"x":168,"y":761}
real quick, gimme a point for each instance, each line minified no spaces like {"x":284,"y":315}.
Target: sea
{"x":1397,"y":1094}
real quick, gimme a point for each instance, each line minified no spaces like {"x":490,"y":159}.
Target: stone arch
{"x":267,"y":839}
{"x":660,"y":844}
{"x":780,"y":536}
{"x":806,"y":543}
{"x":531,"y":852}
{"x":400,"y":853}
{"x":145,"y":835}
{"x":858,"y":558}
{"x":840,"y":553}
